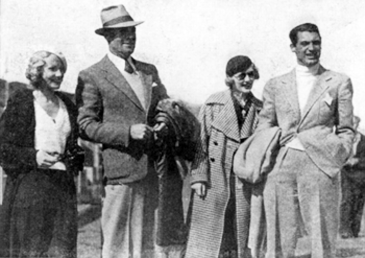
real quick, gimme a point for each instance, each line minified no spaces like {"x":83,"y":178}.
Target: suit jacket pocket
{"x":336,"y":148}
{"x":327,"y":106}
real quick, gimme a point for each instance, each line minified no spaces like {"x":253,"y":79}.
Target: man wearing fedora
{"x":116,"y":98}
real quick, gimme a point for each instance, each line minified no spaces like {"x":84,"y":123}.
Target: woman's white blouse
{"x":51,"y":134}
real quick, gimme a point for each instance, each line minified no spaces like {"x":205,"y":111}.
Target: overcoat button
{"x":212,"y":159}
{"x":215,"y":143}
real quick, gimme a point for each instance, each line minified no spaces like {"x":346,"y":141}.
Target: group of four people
{"x":118,"y":100}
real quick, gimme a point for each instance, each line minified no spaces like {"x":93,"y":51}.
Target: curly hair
{"x":34,"y":71}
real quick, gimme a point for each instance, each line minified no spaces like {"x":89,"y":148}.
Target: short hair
{"x":237,"y":64}
{"x":34,"y":71}
{"x":293,"y":35}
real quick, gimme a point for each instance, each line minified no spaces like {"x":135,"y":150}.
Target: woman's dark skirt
{"x":38,"y":217}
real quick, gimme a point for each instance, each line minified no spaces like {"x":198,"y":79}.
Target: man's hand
{"x":200,"y":189}
{"x":352,"y":162}
{"x":160,"y":131}
{"x":141,"y":132}
{"x":45,"y":159}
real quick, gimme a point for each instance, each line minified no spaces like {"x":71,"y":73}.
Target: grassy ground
{"x":89,"y":240}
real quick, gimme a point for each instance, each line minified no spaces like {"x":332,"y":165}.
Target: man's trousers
{"x":297,"y":187}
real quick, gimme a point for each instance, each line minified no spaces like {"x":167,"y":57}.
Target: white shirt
{"x":305,"y":79}
{"x":134,"y":79}
{"x":51,"y":134}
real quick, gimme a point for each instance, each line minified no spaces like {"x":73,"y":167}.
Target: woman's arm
{"x":14,"y":130}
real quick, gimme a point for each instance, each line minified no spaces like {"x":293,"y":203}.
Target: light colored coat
{"x":220,"y":138}
{"x":325,"y":130}
{"x":324,"y":127}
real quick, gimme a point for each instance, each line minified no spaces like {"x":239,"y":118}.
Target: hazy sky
{"x":190,"y":41}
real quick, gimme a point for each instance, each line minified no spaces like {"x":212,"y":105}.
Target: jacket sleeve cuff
{"x":199,"y":178}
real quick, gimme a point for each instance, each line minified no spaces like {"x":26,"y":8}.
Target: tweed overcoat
{"x":220,"y":138}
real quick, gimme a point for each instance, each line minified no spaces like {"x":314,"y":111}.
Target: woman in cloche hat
{"x":220,"y":209}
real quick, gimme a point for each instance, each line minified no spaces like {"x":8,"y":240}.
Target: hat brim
{"x":118,"y":25}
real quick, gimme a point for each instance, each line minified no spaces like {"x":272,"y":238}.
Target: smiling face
{"x":243,"y":81}
{"x":53,"y":72}
{"x":307,"y":48}
{"x":122,"y":42}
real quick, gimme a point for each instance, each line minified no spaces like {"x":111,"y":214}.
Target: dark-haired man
{"x":313,"y":108}
{"x":116,"y":98}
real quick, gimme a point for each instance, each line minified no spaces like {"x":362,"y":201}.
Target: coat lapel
{"x":113,"y":75}
{"x":291,"y":92}
{"x":226,"y":120}
{"x":318,"y":89}
{"x":247,"y":126}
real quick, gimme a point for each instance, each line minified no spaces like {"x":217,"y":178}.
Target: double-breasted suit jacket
{"x":220,"y":137}
{"x":324,"y":127}
{"x":108,"y":107}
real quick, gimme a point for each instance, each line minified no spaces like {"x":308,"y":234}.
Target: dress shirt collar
{"x":120,"y":62}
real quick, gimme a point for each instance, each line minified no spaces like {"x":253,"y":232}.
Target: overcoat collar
{"x":290,"y":89}
{"x":113,"y":75}
{"x":226,"y":121}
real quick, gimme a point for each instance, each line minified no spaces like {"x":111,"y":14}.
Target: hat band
{"x":126,"y":18}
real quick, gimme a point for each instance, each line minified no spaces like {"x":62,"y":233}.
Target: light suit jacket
{"x":108,"y":107}
{"x":324,"y":127}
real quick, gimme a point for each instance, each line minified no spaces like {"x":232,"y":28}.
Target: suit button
{"x":212,"y":159}
{"x":215,"y":143}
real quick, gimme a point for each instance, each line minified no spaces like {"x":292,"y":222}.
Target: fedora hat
{"x":116,"y":16}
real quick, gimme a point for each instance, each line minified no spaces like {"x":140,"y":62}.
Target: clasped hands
{"x":46,"y":158}
{"x":145,"y":132}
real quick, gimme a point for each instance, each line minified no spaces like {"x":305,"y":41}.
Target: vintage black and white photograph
{"x":182,"y":129}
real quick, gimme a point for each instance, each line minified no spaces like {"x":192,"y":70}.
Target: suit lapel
{"x":113,"y":75}
{"x":318,"y":89}
{"x":291,"y":92}
{"x":226,"y":120}
{"x":147,"y":83}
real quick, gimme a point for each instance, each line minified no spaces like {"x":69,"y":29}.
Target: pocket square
{"x":328,"y":99}
{"x":154,"y":84}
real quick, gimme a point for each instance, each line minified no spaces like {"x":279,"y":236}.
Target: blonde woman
{"x":39,"y":154}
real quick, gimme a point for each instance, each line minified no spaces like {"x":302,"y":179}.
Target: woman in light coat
{"x":220,"y":208}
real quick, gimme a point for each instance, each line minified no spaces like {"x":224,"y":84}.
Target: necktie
{"x":128,"y":67}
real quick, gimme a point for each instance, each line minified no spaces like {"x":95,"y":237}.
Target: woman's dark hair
{"x":239,"y":64}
